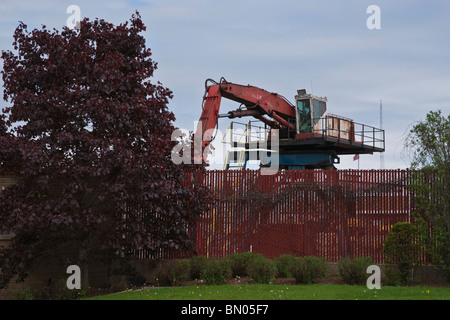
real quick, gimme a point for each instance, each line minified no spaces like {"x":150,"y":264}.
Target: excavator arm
{"x":257,"y":102}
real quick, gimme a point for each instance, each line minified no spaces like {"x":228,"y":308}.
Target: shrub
{"x":239,"y":263}
{"x":198,"y":265}
{"x":179,"y":272}
{"x":353,"y":271}
{"x":261,"y":269}
{"x":131,"y":275}
{"x":393,"y":276}
{"x":401,"y":250}
{"x":285,"y":264}
{"x":217,"y":271}
{"x":61,"y":292}
{"x":162,"y":273}
{"x":23,"y":294}
{"x":309,"y":269}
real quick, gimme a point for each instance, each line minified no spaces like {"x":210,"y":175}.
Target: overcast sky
{"x":281,"y":46}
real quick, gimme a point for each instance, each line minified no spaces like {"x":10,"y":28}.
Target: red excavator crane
{"x":309,"y":137}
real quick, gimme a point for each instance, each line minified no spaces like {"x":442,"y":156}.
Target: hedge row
{"x":262,"y":270}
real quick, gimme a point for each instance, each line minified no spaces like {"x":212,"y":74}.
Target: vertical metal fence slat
{"x":327,"y":213}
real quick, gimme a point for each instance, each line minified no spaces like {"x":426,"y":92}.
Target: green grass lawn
{"x":281,"y":292}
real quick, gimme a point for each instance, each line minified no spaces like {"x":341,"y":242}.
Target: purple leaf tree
{"x":87,"y":134}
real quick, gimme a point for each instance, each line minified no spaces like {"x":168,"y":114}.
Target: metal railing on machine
{"x":344,"y":129}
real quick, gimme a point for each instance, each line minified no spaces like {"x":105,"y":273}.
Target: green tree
{"x":401,"y":249}
{"x":429,"y":145}
{"x":428,"y":142}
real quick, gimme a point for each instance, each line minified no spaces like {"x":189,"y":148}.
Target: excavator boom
{"x":257,"y":102}
{"x":255,"y":98}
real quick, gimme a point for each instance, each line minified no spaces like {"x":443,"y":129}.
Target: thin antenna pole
{"x":381,"y":128}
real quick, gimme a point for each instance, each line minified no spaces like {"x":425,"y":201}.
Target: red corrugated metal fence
{"x":326,"y":213}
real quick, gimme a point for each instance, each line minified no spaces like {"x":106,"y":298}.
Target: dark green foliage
{"x":23,"y":294}
{"x":428,"y":141}
{"x":217,"y":271}
{"x":401,"y":249}
{"x":310,"y":269}
{"x":393,"y":277}
{"x":180,"y":272}
{"x":162,"y":273}
{"x":261,"y":269}
{"x":428,"y":144}
{"x":198,"y":264}
{"x":432,"y":214}
{"x":353,"y":271}
{"x":130,"y":273}
{"x":239,"y":263}
{"x":285,"y":264}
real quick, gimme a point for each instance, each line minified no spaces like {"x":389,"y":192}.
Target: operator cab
{"x":311,"y":112}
